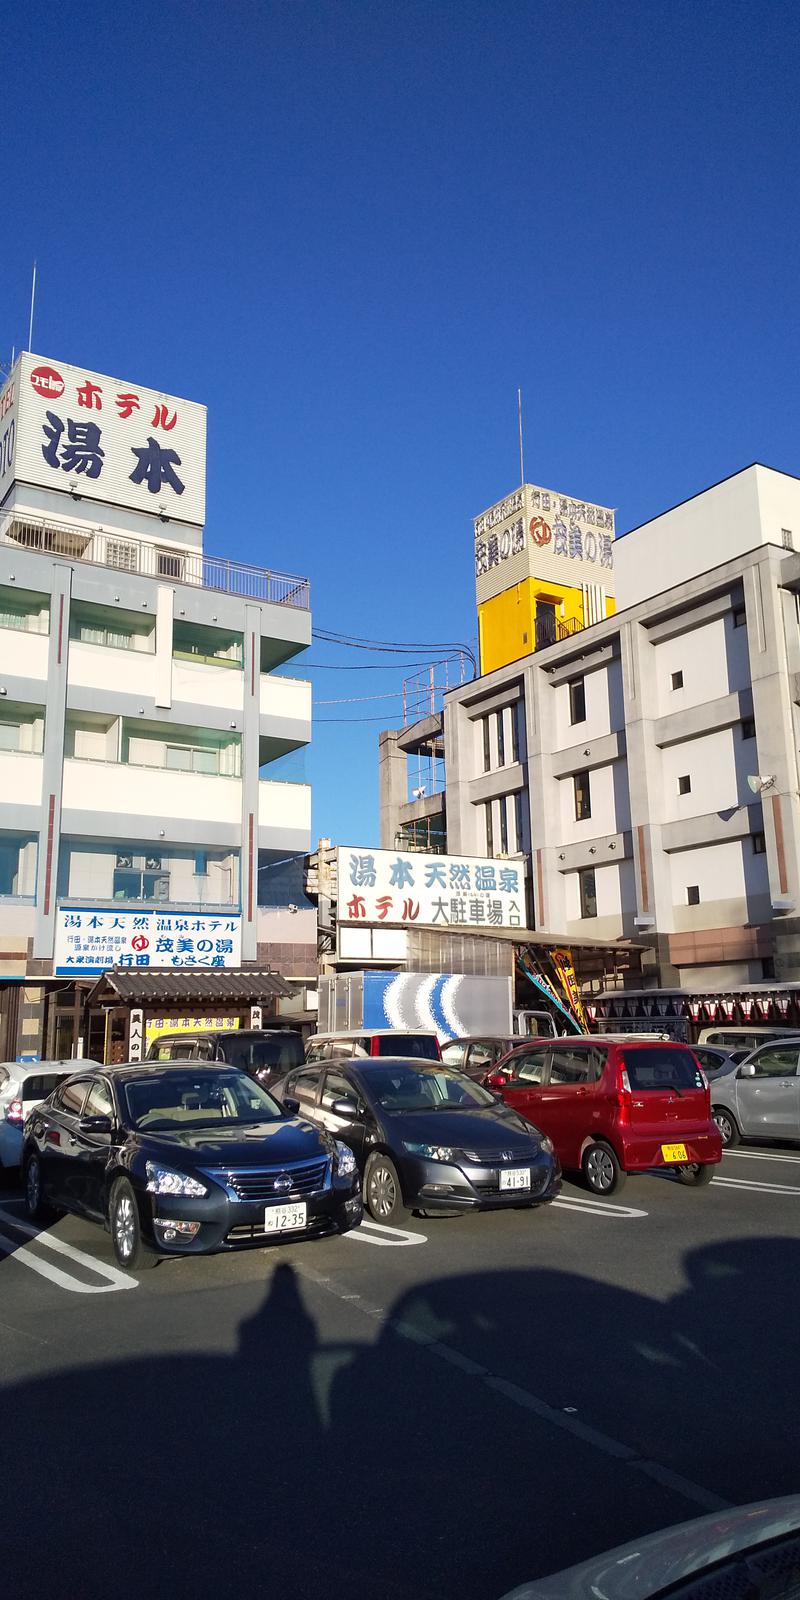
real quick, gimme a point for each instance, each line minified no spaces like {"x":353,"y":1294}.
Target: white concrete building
{"x":140,"y":710}
{"x":616,"y":762}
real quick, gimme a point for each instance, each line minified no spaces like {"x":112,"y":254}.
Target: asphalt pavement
{"x":440,"y":1410}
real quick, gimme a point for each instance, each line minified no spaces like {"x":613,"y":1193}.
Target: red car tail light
{"x":623,"y":1095}
{"x":14,"y":1112}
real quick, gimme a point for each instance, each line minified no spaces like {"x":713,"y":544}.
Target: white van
{"x":728,"y":1037}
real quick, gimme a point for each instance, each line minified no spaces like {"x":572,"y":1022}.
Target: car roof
{"x":375,"y":1033}
{"x":483,"y":1038}
{"x":135,"y":1069}
{"x":28,"y":1068}
{"x":370,"y":1064}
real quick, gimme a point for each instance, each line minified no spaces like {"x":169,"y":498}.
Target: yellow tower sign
{"x":544,"y":568}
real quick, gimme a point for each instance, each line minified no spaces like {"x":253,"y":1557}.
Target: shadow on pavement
{"x":371,"y":1465}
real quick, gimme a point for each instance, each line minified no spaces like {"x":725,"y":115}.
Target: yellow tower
{"x":544,"y":568}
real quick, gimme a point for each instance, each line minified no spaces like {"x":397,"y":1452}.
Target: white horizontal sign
{"x":100,"y":438}
{"x":460,"y":891}
{"x":92,"y":940}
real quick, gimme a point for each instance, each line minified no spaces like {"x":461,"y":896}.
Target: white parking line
{"x":761,"y":1155}
{"x":114,"y":1279}
{"x":399,"y":1236}
{"x":753,"y":1187}
{"x":596,"y":1208}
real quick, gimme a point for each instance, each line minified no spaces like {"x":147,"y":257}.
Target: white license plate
{"x":282,"y":1219}
{"x":515,"y":1178}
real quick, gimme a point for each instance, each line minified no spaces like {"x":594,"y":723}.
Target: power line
{"x":373,"y":666}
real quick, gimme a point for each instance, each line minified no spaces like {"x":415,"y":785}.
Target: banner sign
{"x":443,"y":891}
{"x":565,"y":969}
{"x":92,"y":940}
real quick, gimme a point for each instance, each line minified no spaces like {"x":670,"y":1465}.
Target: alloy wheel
{"x":124,"y":1225}
{"x":382,"y":1191}
{"x":33,"y":1186}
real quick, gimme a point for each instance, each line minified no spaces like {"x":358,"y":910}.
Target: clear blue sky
{"x":353,"y":229}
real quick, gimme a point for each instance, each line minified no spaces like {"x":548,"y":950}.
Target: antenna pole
{"x":33,"y":299}
{"x":521,"y":450}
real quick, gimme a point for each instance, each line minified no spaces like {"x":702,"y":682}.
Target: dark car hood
{"x":219,"y":1145}
{"x":485,"y":1129}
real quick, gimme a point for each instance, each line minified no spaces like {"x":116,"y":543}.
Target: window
{"x":489,"y":829}
{"x":504,"y":825}
{"x":685,"y":784}
{"x":526,"y":1066}
{"x":759,"y":844}
{"x":519,"y":823}
{"x":693,"y":894}
{"x":9,"y":735}
{"x":39,"y":1085}
{"x":776,"y":1061}
{"x":305,"y":1086}
{"x":70,"y":1096}
{"x":99,"y":1102}
{"x":169,"y":564}
{"x":661,"y":1067}
{"x":576,"y":1066}
{"x":487,"y":745}
{"x":140,"y":878}
{"x":501,"y":739}
{"x":677,"y":680}
{"x":121,"y":555}
{"x":453,"y":1054}
{"x":25,"y":618}
{"x":336,"y":1088}
{"x":577,"y":701}
{"x":787,"y":539}
{"x":481,"y":1057}
{"x":515,"y":739}
{"x":191,"y":758}
{"x":748,"y":727}
{"x":211,"y":645}
{"x":739,"y":617}
{"x":588,"y":890}
{"x":583,"y":802}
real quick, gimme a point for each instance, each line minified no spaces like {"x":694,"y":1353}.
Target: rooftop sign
{"x":536,"y":533}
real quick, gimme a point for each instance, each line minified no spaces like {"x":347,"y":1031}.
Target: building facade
{"x":140,"y":709}
{"x":645,"y":769}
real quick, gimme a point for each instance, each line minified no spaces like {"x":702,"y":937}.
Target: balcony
{"x":165,"y":562}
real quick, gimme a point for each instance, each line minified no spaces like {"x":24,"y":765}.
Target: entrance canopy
{"x":207,"y":987}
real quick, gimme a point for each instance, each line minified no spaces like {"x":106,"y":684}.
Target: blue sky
{"x":352,"y":230}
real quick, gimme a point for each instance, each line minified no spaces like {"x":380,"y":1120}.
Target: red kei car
{"x":614,"y":1108}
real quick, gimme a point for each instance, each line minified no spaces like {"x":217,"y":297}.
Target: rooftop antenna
{"x":521,"y":449}
{"x":33,"y":299}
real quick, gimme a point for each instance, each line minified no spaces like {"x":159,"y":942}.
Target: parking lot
{"x":443,"y":1409}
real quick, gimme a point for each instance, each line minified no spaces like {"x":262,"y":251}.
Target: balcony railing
{"x":550,"y":629}
{"x":173,"y":563}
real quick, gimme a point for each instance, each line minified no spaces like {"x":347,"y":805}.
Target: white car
{"x":23,"y":1084}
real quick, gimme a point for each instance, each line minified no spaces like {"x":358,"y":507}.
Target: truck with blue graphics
{"x":452,"y":1005}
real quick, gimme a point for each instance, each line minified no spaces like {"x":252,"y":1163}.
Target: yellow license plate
{"x":674,"y":1152}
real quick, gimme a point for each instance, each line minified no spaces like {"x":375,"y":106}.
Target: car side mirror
{"x":346,"y":1107}
{"x":747,"y":1070}
{"x":96,"y":1125}
{"x":291,"y":1105}
{"x":496,"y":1080}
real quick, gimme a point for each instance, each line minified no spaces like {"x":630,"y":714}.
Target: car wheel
{"x":35,"y":1206}
{"x":696,"y":1176}
{"x":601,"y":1169}
{"x":727,"y":1125}
{"x":126,"y":1233}
{"x":383,"y":1196}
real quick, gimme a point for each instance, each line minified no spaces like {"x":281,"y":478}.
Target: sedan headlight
{"x":546,"y":1144}
{"x":431,"y":1152}
{"x":346,"y":1161}
{"x":162,"y":1180}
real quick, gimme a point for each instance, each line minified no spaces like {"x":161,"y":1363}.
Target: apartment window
{"x":577,"y":701}
{"x":23,"y":618}
{"x":685,"y":784}
{"x":201,"y":864}
{"x":17,"y":865}
{"x":9,"y":735}
{"x":739,"y":617}
{"x":515,"y":731}
{"x":487,"y":745}
{"x":210,"y":645}
{"x":191,"y":758}
{"x":787,"y":539}
{"x":489,"y":829}
{"x":588,"y":888}
{"x":583,"y":802}
{"x":693,"y":894}
{"x":759,"y":844}
{"x":140,"y":877}
{"x":501,"y":740}
{"x":677,"y":680}
{"x":504,"y":825}
{"x":89,"y":624}
{"x":748,"y":727}
{"x":519,"y":823}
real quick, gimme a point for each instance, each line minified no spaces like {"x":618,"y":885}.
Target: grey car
{"x":761,"y":1098}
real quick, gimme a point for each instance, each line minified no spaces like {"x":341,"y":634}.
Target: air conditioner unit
{"x":124,"y":861}
{"x":152,"y":863}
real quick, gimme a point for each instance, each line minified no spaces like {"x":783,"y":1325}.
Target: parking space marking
{"x":761,"y":1155}
{"x":398,"y":1237}
{"x":596,"y":1208}
{"x":114,"y":1279}
{"x":752,"y":1186}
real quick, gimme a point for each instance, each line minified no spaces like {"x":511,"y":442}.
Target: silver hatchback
{"x":23,"y":1084}
{"x":761,"y":1098}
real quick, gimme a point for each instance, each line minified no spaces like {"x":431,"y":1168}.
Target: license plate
{"x":674,"y":1152}
{"x":515,"y":1178}
{"x":282,"y":1219}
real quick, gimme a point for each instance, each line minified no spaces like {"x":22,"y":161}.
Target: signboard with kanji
{"x":99,"y":438}
{"x":376,"y":886}
{"x":90,"y":940}
{"x":536,"y":533}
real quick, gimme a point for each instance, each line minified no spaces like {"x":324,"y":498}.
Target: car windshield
{"x":407,"y":1088}
{"x":662,"y":1068}
{"x":177,"y":1099}
{"x":408,"y":1044}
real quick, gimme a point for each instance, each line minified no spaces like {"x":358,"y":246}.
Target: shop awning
{"x":181,"y":986}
